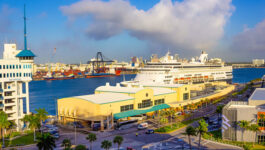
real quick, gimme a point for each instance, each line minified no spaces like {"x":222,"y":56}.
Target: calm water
{"x":44,"y":93}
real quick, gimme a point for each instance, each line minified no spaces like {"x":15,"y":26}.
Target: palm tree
{"x":261,"y":119}
{"x":66,"y":144}
{"x":190,"y":131}
{"x":118,"y":139}
{"x":34,"y":123}
{"x":42,"y":115}
{"x":12,"y":124}
{"x":46,"y":142}
{"x":254,"y":128}
{"x":80,"y":147}
{"x":244,"y":125}
{"x":106,"y":144}
{"x":170,"y":113}
{"x":4,"y":123}
{"x":201,"y":129}
{"x":219,"y":111}
{"x":91,"y":137}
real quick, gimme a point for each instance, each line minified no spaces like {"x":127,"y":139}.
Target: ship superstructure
{"x":172,"y":70}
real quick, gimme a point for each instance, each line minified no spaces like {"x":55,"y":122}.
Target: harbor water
{"x":43,"y":94}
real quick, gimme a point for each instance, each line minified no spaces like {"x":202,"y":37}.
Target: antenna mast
{"x":25,"y":29}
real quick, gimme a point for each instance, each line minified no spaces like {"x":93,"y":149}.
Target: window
{"x":19,"y":66}
{"x":185,"y":96}
{"x":10,"y":66}
{"x":10,"y":74}
{"x":14,"y":75}
{"x":4,"y":75}
{"x":145,"y":103}
{"x":17,"y":75}
{"x":126,"y":107}
{"x":159,"y":101}
{"x":0,"y":75}
{"x":4,"y":67}
{"x":16,"y":66}
{"x":7,"y":75}
{"x":0,"y":66}
{"x":261,"y":138}
{"x":13,"y":66}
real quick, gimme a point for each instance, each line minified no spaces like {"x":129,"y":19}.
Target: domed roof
{"x":25,"y":53}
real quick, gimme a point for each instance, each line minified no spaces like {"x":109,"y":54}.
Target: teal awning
{"x":138,"y":112}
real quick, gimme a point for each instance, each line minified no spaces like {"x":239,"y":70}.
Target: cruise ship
{"x":172,"y":70}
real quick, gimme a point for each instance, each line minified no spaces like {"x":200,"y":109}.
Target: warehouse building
{"x":112,"y":103}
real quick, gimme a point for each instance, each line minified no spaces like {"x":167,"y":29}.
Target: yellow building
{"x":116,"y":102}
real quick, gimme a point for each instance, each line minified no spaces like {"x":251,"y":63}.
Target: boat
{"x":173,"y":70}
{"x":97,"y":75}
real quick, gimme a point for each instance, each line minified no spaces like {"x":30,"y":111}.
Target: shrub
{"x":80,"y":147}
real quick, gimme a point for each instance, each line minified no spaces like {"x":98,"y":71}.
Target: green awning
{"x":139,"y":112}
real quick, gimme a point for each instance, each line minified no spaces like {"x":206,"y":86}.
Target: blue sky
{"x":51,"y":24}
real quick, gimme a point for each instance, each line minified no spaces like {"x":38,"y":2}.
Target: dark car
{"x":150,"y":131}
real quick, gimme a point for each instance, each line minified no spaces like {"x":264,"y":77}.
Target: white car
{"x":142,"y":126}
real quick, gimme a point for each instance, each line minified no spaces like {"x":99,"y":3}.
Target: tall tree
{"x":91,"y":137}
{"x":190,"y":131}
{"x":4,"y":123}
{"x":254,"y":128}
{"x":66,"y":144}
{"x":46,"y":142}
{"x":42,"y":115}
{"x":244,"y":125}
{"x":219,"y":111}
{"x":261,"y":119}
{"x":118,"y":139}
{"x":171,"y":112}
{"x":11,"y":126}
{"x":33,"y":122}
{"x":201,"y":129}
{"x":106,"y":144}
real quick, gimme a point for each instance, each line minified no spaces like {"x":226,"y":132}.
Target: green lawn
{"x":23,"y":140}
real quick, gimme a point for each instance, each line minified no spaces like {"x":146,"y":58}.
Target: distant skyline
{"x":231,"y":29}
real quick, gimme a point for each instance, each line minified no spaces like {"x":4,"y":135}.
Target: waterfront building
{"x":251,"y":110}
{"x":111,"y":103}
{"x":15,"y":72}
{"x":258,"y":62}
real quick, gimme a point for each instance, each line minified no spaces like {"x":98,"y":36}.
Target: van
{"x":142,"y":126}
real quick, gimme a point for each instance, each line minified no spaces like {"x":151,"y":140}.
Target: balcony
{"x":1,"y":105}
{"x":1,"y":90}
{"x":9,"y":89}
{"x":10,"y":104}
{"x":10,"y":111}
{"x":1,"y":98}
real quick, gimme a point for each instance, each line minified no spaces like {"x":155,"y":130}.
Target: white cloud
{"x":189,"y":25}
{"x":251,"y":42}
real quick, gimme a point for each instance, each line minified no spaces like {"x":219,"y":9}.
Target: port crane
{"x":99,"y":63}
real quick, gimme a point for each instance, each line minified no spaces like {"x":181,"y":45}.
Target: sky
{"x":233,"y":30}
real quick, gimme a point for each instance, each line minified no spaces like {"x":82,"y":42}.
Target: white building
{"x":258,"y":62}
{"x":15,"y":73}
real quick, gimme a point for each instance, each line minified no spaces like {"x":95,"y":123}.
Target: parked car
{"x":142,"y":126}
{"x":56,"y":135}
{"x":150,"y":131}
